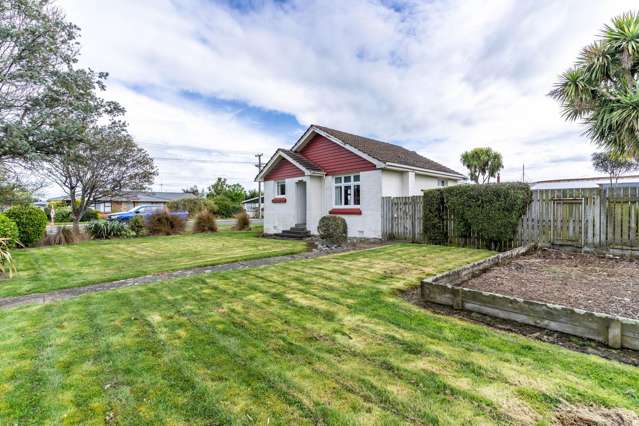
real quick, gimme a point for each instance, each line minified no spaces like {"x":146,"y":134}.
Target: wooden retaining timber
{"x":444,"y":289}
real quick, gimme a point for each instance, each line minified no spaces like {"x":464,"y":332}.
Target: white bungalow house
{"x":328,"y":171}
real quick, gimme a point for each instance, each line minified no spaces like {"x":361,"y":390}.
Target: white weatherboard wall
{"x":279,"y":216}
{"x":320,"y":198}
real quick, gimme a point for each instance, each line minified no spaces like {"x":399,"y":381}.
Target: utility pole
{"x":259,"y":186}
{"x":523,"y":172}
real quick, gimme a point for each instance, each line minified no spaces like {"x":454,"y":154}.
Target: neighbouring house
{"x":252,"y":206}
{"x":328,"y":171}
{"x":584,"y":183}
{"x":130,"y":199}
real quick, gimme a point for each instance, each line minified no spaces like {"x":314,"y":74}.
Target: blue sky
{"x":207,"y":84}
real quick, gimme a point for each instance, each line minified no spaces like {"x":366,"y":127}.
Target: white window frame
{"x":442,"y":183}
{"x":277,"y":188}
{"x":338,"y":182}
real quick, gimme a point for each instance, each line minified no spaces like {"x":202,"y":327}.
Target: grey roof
{"x":303,"y":161}
{"x":140,"y":196}
{"x":386,"y":152}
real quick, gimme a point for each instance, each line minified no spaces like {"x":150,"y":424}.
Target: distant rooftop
{"x":139,"y":196}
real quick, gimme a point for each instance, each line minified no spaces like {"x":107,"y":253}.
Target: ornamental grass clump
{"x":137,"y":226}
{"x":242,"y":222}
{"x":205,"y":222}
{"x":333,"y":229}
{"x":106,"y":230}
{"x":164,"y":223}
{"x":7,"y":263}
{"x":63,"y":236}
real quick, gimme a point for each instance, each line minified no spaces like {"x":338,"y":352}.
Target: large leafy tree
{"x":482,"y":164}
{"x":101,"y":161}
{"x":602,"y":88}
{"x":613,"y":164}
{"x":38,"y":48}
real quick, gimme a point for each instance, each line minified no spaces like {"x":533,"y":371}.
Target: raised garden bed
{"x":578,"y":294}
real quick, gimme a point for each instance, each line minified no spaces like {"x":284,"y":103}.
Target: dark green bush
{"x":106,"y":230}
{"x":164,"y":223}
{"x":205,"y":222}
{"x":192,"y":205}
{"x":137,"y":226}
{"x":9,"y":231}
{"x":226,"y":207}
{"x":242,"y":221}
{"x":31,"y":222}
{"x":487,"y":213}
{"x":333,"y":229}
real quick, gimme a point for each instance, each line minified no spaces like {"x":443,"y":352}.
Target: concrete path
{"x":68,"y":293}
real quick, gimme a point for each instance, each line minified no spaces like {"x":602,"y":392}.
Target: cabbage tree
{"x":601,"y":89}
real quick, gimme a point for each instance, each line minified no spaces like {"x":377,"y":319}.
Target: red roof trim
{"x":349,"y":211}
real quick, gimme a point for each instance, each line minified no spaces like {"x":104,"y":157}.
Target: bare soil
{"x":607,"y":285}
{"x":595,"y":416}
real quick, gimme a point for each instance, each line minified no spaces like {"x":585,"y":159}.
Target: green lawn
{"x":50,"y":268}
{"x":325,"y":340}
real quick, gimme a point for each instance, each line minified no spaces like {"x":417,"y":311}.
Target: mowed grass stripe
{"x":51,"y":268}
{"x":325,"y":340}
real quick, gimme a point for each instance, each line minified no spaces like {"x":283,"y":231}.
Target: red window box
{"x":354,"y":211}
{"x":278,"y":200}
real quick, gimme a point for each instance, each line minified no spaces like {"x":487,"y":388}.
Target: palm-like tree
{"x":482,"y":163}
{"x":602,"y":88}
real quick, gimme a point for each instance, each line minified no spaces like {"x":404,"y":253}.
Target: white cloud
{"x":440,"y":76}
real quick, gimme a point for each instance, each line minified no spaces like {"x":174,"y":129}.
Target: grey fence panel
{"x":604,"y":218}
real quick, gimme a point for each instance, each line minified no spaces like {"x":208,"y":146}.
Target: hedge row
{"x":489,"y":213}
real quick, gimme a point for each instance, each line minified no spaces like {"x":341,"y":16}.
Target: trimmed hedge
{"x":488,"y":214}
{"x":9,"y":230}
{"x":333,"y":229}
{"x":31,"y":222}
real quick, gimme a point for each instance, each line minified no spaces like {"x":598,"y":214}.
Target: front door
{"x":300,"y":201}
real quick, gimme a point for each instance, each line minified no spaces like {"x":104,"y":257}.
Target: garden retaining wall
{"x":444,"y":289}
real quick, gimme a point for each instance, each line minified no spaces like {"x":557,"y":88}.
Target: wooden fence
{"x":594,"y":218}
{"x":402,"y":218}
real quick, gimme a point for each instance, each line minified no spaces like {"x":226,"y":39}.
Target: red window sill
{"x":345,"y":211}
{"x":278,"y":200}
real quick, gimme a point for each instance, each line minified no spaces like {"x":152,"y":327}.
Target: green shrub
{"x":8,"y":231}
{"x":164,"y":223}
{"x":137,"y":226}
{"x":192,"y":205}
{"x":64,"y":214}
{"x":226,"y":207}
{"x":205,"y":222}
{"x":488,"y":214}
{"x":31,"y":221}
{"x":106,"y":230}
{"x":333,"y":229}
{"x":242,"y":221}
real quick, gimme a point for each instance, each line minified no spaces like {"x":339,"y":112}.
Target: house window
{"x":280,"y":187}
{"x":347,"y":190}
{"x":442,"y":182}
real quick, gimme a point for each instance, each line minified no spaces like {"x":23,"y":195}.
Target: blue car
{"x":145,"y":212}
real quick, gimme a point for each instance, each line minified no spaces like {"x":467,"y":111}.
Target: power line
{"x":197,"y":160}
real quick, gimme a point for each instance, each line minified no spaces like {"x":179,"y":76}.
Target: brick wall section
{"x":333,"y":158}
{"x":284,"y":169}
